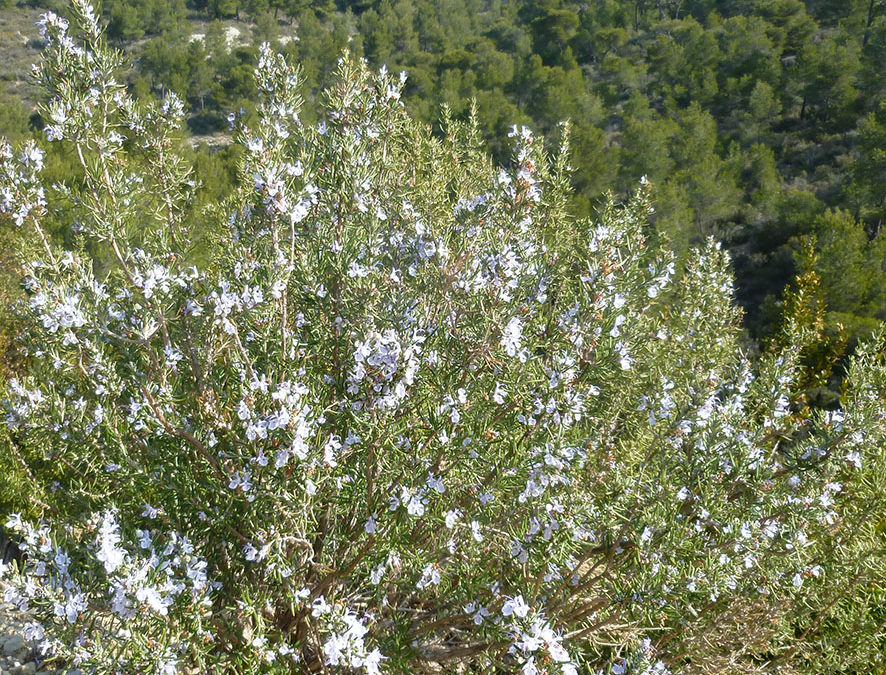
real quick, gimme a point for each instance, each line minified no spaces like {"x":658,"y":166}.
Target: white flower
{"x":33,"y":632}
{"x":333,"y":445}
{"x":241,"y":479}
{"x":319,"y":607}
{"x":376,"y":575}
{"x":415,"y":506}
{"x":519,"y":551}
{"x":110,"y":553}
{"x":144,"y":538}
{"x":529,"y":668}
{"x":168,"y":666}
{"x":499,"y":394}
{"x":436,"y":484}
{"x":430,"y":576}
{"x":511,"y":336}
{"x":372,"y":661}
{"x":515,"y":606}
{"x":152,"y":598}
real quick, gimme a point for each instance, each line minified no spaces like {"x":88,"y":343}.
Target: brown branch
{"x":182,"y":433}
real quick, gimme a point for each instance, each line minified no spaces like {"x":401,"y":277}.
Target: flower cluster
{"x":344,"y":632}
{"x":148,"y":577}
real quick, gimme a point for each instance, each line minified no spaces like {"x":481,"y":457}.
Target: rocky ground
{"x":16,"y":658}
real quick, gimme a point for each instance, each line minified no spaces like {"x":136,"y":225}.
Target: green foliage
{"x":830,"y":68}
{"x":850,"y":264}
{"x":869,"y":170}
{"x":13,"y":117}
{"x":130,"y":20}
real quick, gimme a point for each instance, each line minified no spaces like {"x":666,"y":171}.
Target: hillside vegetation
{"x":761,"y":122}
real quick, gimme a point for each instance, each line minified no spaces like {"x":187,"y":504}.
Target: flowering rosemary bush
{"x":398,"y":411}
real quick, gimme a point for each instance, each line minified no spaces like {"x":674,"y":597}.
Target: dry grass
{"x":19,"y":48}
